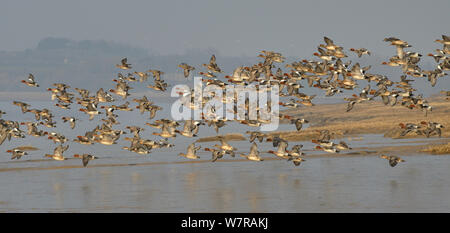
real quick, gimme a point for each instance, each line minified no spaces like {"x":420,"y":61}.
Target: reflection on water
{"x":318,"y":185}
{"x":321,"y":184}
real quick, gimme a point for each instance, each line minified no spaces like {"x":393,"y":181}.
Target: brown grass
{"x":438,"y":149}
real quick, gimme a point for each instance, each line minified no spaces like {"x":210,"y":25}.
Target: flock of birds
{"x":330,"y":74}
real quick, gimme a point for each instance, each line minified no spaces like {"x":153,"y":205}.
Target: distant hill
{"x":91,"y":64}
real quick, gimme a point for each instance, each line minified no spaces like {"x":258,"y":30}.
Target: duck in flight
{"x":85,"y":158}
{"x":58,"y":153}
{"x":186,"y":69}
{"x":30,"y":82}
{"x":393,"y":160}
{"x":254,"y":153}
{"x":191,"y":152}
{"x":124,"y":65}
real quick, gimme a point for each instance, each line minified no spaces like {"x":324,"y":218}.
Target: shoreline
{"x":403,"y":150}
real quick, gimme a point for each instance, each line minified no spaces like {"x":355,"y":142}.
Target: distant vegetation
{"x":88,"y":61}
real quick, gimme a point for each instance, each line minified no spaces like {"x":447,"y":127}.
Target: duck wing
{"x":59,"y":150}
{"x":282,"y":146}
{"x":85,"y":160}
{"x":328,"y":41}
{"x":124,"y":61}
{"x":254,"y":149}
{"x":212,"y":61}
{"x":31,"y":78}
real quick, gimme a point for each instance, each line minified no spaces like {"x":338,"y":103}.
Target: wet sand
{"x":368,"y":117}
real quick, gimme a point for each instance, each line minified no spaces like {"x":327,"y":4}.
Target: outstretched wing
{"x":186,"y":73}
{"x":85,"y":160}
{"x":213,"y":59}
{"x":191,"y":149}
{"x":31,"y":78}
{"x":254,"y":149}
{"x":252,"y":137}
{"x":328,"y":40}
{"x":59,"y":150}
{"x":282,"y":146}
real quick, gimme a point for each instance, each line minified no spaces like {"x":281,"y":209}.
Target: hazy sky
{"x":239,"y":27}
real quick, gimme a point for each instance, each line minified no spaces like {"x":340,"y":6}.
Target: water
{"x":121,"y":181}
{"x":352,"y":184}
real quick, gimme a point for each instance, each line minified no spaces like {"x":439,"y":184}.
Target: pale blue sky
{"x":294,"y":28}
